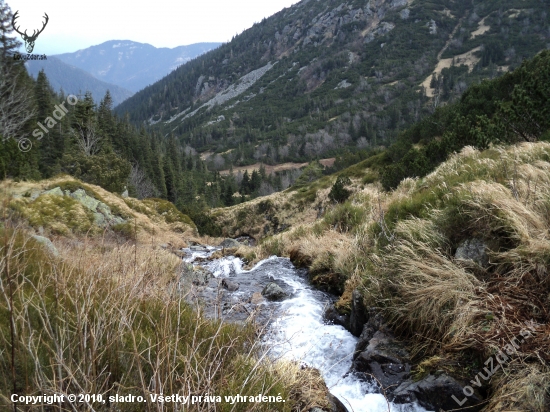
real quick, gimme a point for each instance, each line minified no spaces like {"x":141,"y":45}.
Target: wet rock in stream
{"x":272,"y":291}
{"x":235,"y":294}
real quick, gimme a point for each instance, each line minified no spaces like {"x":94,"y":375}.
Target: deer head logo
{"x":29,"y":40}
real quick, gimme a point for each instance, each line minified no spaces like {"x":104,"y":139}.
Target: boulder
{"x":201,"y":276}
{"x":436,"y":393}
{"x":336,"y":404}
{"x":331,"y":315}
{"x":47,"y":243}
{"x":474,"y":250}
{"x":359,"y":314}
{"x":366,"y":335}
{"x":229,"y":243}
{"x":197,"y":275}
{"x":272,"y":291}
{"x":230,"y":285}
{"x":99,"y":219}
{"x":384,"y":358}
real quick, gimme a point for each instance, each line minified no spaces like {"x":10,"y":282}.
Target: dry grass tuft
{"x":524,"y":387}
{"x":401,"y":255}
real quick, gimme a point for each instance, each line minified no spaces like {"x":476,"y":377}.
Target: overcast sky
{"x":77,"y":24}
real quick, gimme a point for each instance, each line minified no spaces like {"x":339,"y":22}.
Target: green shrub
{"x":339,"y":193}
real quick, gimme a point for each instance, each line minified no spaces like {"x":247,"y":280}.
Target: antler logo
{"x":29,"y":40}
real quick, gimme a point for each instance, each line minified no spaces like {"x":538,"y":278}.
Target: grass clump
{"x":345,"y":217}
{"x":126,"y":230}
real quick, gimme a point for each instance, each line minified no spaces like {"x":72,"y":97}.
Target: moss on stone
{"x":60,"y":214}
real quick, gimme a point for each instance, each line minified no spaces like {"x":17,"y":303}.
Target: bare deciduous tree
{"x":143,"y":185}
{"x":88,"y":137}
{"x":16,"y":103}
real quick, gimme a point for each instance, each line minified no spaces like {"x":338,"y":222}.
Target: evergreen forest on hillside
{"x":340,"y":79}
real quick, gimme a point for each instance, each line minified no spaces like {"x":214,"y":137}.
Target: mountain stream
{"x":295,"y":326}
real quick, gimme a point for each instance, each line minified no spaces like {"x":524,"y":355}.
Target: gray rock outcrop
{"x":331,"y":315}
{"x":197,"y":275}
{"x":385,"y":358}
{"x":103,"y":216}
{"x":230,"y":285}
{"x":380,"y":355}
{"x":436,"y":393}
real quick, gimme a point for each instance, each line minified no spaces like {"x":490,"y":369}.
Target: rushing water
{"x":299,"y":332}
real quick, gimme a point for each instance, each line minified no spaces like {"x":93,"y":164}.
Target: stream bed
{"x":295,"y":328}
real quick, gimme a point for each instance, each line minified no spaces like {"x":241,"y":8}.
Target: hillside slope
{"x":454,"y":259}
{"x":90,"y":282}
{"x":320,"y":77}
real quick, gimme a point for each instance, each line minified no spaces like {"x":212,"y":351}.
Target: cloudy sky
{"x":77,"y":24}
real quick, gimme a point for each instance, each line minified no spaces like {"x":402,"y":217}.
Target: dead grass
{"x":521,"y":388}
{"x":63,"y":216}
{"x":451,"y":311}
{"x":111,"y":318}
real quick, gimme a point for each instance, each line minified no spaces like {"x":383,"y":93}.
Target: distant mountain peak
{"x":131,"y":64}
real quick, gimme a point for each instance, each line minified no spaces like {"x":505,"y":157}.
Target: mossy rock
{"x":73,"y":186}
{"x":86,"y":195}
{"x":61,"y":214}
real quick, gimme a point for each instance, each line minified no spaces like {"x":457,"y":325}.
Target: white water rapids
{"x":300,"y":333}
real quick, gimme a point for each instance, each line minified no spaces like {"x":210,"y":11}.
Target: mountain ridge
{"x":345,"y":76}
{"x":131,"y":64}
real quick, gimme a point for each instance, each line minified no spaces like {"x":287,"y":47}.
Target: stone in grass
{"x":272,"y":291}
{"x":56,"y":191}
{"x":80,"y":196}
{"x":47,"y":243}
{"x":474,"y":250}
